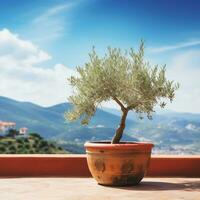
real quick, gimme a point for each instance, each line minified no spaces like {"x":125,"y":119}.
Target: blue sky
{"x":43,"y":41}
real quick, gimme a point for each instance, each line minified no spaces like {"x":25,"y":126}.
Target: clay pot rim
{"x":121,"y":145}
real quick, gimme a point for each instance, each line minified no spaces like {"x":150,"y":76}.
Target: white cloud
{"x":22,"y":80}
{"x":52,"y":12}
{"x":173,"y":47}
{"x":51,"y":23}
{"x":22,"y":51}
{"x":185,"y":69}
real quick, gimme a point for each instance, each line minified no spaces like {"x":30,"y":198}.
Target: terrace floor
{"x":87,"y":188}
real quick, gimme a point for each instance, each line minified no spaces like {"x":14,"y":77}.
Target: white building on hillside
{"x":5,"y":126}
{"x":23,"y":131}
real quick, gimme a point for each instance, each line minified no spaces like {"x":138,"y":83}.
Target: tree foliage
{"x":124,"y":77}
{"x":12,"y":133}
{"x":33,"y":144}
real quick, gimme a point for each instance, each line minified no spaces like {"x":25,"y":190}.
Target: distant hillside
{"x":50,"y":122}
{"x":33,"y":144}
{"x":171,"y":132}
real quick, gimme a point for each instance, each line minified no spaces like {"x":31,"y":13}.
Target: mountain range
{"x":171,"y":132}
{"x":51,"y":124}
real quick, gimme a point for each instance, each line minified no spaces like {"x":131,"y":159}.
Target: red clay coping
{"x":76,"y":166}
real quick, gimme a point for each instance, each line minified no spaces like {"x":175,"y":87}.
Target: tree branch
{"x":119,"y":102}
{"x":130,"y":107}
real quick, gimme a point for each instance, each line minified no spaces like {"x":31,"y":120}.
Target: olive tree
{"x":124,"y":77}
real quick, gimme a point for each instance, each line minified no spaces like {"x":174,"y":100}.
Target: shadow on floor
{"x":159,"y":186}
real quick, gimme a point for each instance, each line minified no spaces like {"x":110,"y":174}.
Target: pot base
{"x":121,"y":181}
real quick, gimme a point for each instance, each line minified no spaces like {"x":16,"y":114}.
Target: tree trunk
{"x":119,"y":132}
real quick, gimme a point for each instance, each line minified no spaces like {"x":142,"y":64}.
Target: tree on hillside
{"x":12,"y":133}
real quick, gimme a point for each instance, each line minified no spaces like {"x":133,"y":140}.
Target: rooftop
{"x":7,"y":123}
{"x":87,"y":188}
{"x":62,"y":177}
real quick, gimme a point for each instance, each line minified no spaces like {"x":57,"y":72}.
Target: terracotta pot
{"x":118,"y":164}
